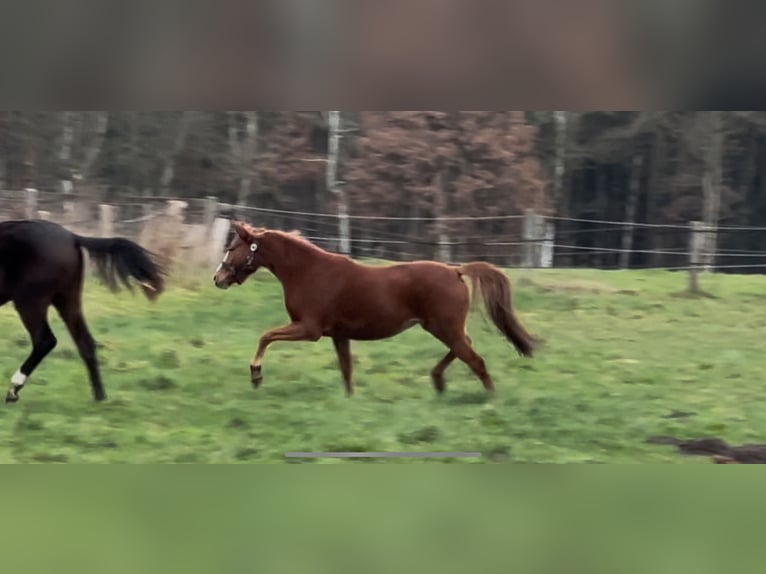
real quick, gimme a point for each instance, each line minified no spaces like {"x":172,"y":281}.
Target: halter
{"x":248,"y":262}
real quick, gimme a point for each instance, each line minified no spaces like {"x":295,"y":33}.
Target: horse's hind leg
{"x":465,"y":352}
{"x":70,"y":309}
{"x":343,"y":348}
{"x":437,"y":373}
{"x":33,"y":315}
{"x":460,"y":347}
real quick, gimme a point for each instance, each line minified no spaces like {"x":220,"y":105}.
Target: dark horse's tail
{"x":118,"y":259}
{"x":495,"y":288}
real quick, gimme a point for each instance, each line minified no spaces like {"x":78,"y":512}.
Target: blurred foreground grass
{"x":627,"y":357}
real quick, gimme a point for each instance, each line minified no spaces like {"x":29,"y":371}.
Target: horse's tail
{"x":118,"y":259}
{"x":495,"y":288}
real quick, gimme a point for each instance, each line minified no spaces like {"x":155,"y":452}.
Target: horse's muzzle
{"x":225,"y":284}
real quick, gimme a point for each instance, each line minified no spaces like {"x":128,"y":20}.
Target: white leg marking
{"x":18,"y":379}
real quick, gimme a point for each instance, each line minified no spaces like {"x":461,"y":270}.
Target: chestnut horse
{"x":42,"y":264}
{"x":331,"y":295}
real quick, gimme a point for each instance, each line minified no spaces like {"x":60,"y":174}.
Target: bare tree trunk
{"x":65,"y":151}
{"x":440,"y":207}
{"x":135,"y":122}
{"x":559,"y":162}
{"x":564,"y":122}
{"x":656,"y":159}
{"x":711,"y":185}
{"x":634,"y":187}
{"x":93,"y":149}
{"x":72,"y":124}
{"x":333,"y":151}
{"x":169,"y":161}
{"x":244,"y":150}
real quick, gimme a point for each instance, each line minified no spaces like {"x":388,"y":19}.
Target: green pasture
{"x":628,"y":356}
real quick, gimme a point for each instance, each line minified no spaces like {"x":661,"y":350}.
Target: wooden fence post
{"x":549,"y":242}
{"x":107,"y":220}
{"x":445,"y":251}
{"x":31,"y":202}
{"x":696,"y":241}
{"x":211,"y":210}
{"x":527,"y":234}
{"x":534,"y":237}
{"x":219,"y":231}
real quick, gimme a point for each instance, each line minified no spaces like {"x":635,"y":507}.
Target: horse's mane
{"x":294,"y":235}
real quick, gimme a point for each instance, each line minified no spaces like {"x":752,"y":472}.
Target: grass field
{"x":627,"y":357}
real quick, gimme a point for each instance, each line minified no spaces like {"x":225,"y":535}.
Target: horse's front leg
{"x":298,"y":331}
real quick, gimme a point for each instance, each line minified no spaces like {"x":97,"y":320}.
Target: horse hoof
{"x":256,"y":377}
{"x":11,"y":397}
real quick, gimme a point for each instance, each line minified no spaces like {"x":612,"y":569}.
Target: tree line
{"x":429,"y":168}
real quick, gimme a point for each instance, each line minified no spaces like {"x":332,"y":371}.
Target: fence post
{"x":107,"y":220}
{"x":211,"y":210}
{"x":534,"y":237}
{"x":696,"y":241}
{"x":219,"y":231}
{"x":344,"y":230}
{"x":549,"y":239}
{"x":31,"y":202}
{"x":527,"y":234}
{"x":69,"y":212}
{"x":177,"y":208}
{"x":445,"y":254}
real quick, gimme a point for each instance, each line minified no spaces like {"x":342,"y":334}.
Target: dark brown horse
{"x":330,"y":295}
{"x":41,"y":264}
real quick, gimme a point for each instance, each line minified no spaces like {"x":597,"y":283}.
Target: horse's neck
{"x":296,"y":261}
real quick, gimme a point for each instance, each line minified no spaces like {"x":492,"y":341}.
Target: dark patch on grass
{"x":29,"y":424}
{"x":187,"y":458}
{"x":718,"y":449}
{"x":348,"y":447}
{"x":499,"y":453}
{"x":662,"y":439}
{"x":690,"y":295}
{"x":491,"y":418}
{"x":475,"y":398}
{"x":168,"y":359}
{"x":197,"y":342}
{"x":245,"y":453}
{"x":49,"y":457}
{"x":68,"y":354}
{"x":426,"y":434}
{"x":100,"y":444}
{"x":679,"y":415}
{"x":21,"y":341}
{"x":295,"y":460}
{"x":238,"y":423}
{"x":158,"y":383}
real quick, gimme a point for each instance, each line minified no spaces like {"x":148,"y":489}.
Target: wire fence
{"x":570,"y":241}
{"x":513,"y":240}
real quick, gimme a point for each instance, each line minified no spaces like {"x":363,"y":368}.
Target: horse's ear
{"x":241,"y":230}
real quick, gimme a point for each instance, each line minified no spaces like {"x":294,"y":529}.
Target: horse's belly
{"x":373,"y":330}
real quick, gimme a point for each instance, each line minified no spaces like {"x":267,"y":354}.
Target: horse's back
{"x":33,"y":253}
{"x":395,"y":297}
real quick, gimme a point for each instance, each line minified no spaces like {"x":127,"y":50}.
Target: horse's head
{"x":242,"y":257}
